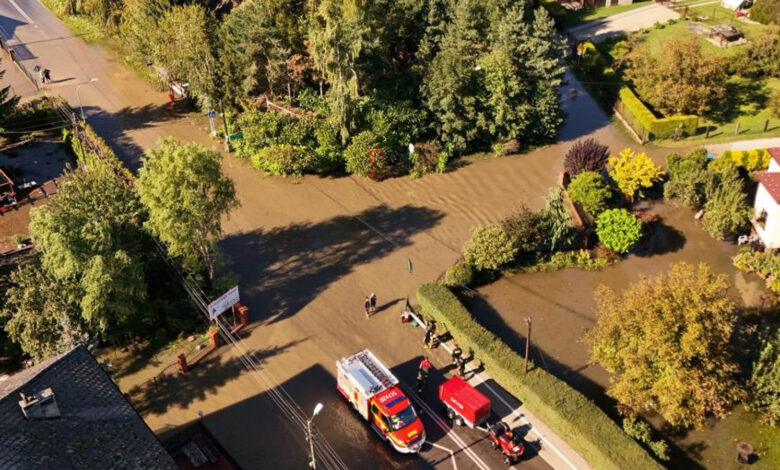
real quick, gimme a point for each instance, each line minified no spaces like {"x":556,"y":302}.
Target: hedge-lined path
{"x":306,"y":255}
{"x":770,"y":142}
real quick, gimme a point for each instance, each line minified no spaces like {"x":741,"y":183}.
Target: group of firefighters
{"x":431,"y":341}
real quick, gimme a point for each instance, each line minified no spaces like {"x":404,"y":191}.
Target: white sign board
{"x":224,"y":302}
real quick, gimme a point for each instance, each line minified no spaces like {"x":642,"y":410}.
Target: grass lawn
{"x":584,"y":15}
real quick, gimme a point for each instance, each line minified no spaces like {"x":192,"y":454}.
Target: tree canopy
{"x":666,"y":341}
{"x":186,"y":195}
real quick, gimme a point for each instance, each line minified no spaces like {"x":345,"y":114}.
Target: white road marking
{"x":21,"y":12}
{"x":452,"y":454}
{"x":513,"y":410}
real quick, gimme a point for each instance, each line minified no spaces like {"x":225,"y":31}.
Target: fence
{"x":13,"y":55}
{"x":632,"y":123}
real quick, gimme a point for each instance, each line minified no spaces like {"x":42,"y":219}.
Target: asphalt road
{"x":306,"y":254}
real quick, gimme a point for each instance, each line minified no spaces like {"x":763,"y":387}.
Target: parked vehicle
{"x":508,"y":442}
{"x":374,"y":392}
{"x":464,"y":404}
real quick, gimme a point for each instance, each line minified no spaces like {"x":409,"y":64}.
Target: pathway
{"x":632,"y":20}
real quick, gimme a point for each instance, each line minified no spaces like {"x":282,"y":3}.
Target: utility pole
{"x":527,"y":342}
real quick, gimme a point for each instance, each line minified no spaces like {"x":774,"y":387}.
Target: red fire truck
{"x":374,"y":392}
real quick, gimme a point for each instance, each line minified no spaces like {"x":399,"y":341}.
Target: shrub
{"x":726,"y":212}
{"x":633,"y":172}
{"x":768,"y":264}
{"x":618,"y":230}
{"x":586,"y":155}
{"x":640,"y":431}
{"x":524,"y":230}
{"x":590,"y":191}
{"x":282,"y":160}
{"x":764,"y":384}
{"x":572,"y":416}
{"x":751,"y":160}
{"x":761,"y":56}
{"x":581,"y":259}
{"x":766,"y":12}
{"x":688,"y":176}
{"x":459,"y":274}
{"x":556,"y":222}
{"x":489,"y":247}
{"x":358,"y":157}
{"x":657,"y":127}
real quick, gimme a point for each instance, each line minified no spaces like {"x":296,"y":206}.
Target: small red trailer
{"x":464,"y":403}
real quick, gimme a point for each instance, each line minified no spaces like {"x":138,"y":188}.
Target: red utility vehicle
{"x":374,"y":392}
{"x":464,"y":404}
{"x":508,"y":442}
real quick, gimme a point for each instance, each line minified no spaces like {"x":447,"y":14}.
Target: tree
{"x":726,"y":212}
{"x":140,"y":21}
{"x":633,"y":172}
{"x":524,"y":229}
{"x":451,"y":86}
{"x":557,"y":221}
{"x":590,"y":191}
{"x":184,"y":44}
{"x":681,"y":80}
{"x":759,"y":58}
{"x":766,"y":12}
{"x":586,"y":155}
{"x":186,"y":195}
{"x":42,"y":313}
{"x":7,"y":104}
{"x":489,"y":247}
{"x":90,"y":238}
{"x":336,"y":38}
{"x":666,"y":340}
{"x":618,"y":230}
{"x":764,"y":385}
{"x":459,"y":274}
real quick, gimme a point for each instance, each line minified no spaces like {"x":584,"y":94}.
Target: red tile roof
{"x":774,"y":153}
{"x":771,"y":181}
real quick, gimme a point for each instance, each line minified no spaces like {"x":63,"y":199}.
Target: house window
{"x":761,"y":219}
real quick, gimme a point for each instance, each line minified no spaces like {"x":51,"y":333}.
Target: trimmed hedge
{"x":581,"y":423}
{"x":657,"y":127}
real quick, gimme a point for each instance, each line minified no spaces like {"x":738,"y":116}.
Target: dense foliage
{"x":186,"y":195}
{"x":764,"y":384}
{"x":586,"y":155}
{"x":726,"y":212}
{"x":557,"y":227}
{"x":459,"y":274}
{"x":489,"y":247}
{"x":683,"y":79}
{"x":666,"y":340}
{"x":590,"y":191}
{"x":633,"y":172}
{"x":766,"y":12}
{"x":525,"y":230}
{"x":618,"y":230}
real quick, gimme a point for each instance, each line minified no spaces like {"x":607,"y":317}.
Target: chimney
{"x":41,"y":405}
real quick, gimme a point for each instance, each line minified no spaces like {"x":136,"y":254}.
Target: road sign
{"x":212,"y":114}
{"x":224,"y":302}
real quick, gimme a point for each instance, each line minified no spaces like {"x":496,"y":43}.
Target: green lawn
{"x":584,"y":15}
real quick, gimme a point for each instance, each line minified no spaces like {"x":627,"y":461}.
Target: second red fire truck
{"x":374,"y":392}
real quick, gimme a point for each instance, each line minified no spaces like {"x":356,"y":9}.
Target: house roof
{"x":775,"y":154}
{"x":771,"y":181}
{"x":97,"y":427}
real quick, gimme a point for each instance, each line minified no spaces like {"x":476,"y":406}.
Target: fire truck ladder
{"x":371,"y":365}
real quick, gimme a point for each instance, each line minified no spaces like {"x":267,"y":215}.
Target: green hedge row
{"x":581,"y":423}
{"x":661,"y":128}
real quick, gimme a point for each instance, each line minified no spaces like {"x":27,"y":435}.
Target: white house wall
{"x":770,"y":235}
{"x":774,"y":167}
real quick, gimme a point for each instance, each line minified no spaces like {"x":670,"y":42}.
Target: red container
{"x":465,"y":400}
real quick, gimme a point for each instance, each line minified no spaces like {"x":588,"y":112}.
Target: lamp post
{"x":309,"y":437}
{"x":78,"y":95}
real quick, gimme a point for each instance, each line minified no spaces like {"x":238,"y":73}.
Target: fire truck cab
{"x":374,"y":392}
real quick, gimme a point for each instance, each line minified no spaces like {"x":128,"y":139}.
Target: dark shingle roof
{"x":97,"y":428}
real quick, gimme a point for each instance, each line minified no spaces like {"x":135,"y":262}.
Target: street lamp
{"x":312,"y":461}
{"x":78,"y":95}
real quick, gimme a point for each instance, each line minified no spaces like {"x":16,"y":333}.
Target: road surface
{"x":632,"y":20}
{"x":306,"y":255}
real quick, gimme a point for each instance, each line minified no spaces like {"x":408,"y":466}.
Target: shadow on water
{"x":659,"y":239}
{"x":293,"y":275}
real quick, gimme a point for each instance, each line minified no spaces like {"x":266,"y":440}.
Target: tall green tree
{"x":90,"y":237}
{"x":666,"y":342}
{"x":184,"y":44}
{"x":764,"y":385}
{"x":337,"y":35}
{"x":41,"y":312}
{"x":186,"y":195}
{"x":451,"y":86}
{"x":139,"y":26}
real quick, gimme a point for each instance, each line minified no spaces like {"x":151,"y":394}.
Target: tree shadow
{"x":739,"y":93}
{"x":660,"y":239}
{"x":298,"y":261}
{"x":114,"y":127}
{"x":170,"y":388}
